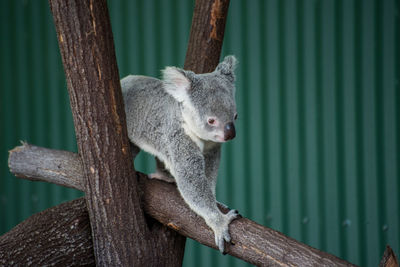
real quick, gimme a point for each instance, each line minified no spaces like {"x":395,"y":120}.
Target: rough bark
{"x":62,"y":168}
{"x":254,"y":243}
{"x":389,"y":259}
{"x":86,"y":44}
{"x":59,"y":236}
{"x":206,"y":35}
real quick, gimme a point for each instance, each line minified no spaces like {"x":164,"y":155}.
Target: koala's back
{"x":151,"y":113}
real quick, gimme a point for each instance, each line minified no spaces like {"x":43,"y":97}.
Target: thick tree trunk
{"x":119,"y":237}
{"x":206,"y":35}
{"x":254,"y":243}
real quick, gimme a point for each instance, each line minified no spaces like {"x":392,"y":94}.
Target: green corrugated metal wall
{"x":317,"y":152}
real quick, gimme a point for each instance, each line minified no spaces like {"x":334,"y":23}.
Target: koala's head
{"x":207,"y":100}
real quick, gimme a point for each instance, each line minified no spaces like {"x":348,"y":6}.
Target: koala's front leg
{"x":188,"y":167}
{"x":212,"y":159}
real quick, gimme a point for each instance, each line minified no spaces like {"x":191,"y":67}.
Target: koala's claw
{"x":232,"y":214}
{"x":219,"y":240}
{"x":237,"y":214}
{"x":223,"y":234}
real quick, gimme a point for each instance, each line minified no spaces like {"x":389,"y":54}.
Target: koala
{"x":182,"y":120}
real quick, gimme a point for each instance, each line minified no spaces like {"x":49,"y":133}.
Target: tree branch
{"x":254,"y":243}
{"x":59,"y":236}
{"x":206,"y":35}
{"x":389,"y":259}
{"x":62,"y":168}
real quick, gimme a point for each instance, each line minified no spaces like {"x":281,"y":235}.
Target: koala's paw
{"x":221,"y":231}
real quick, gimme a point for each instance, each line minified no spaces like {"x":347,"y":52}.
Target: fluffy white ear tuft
{"x":176,"y":83}
{"x":227,"y":67}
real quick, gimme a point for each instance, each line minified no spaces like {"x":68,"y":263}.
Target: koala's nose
{"x":229,"y":131}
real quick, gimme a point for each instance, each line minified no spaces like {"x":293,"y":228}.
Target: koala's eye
{"x":235,"y":118}
{"x":211,"y":121}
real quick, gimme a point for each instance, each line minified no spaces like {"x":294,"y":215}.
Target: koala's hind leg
{"x":162,"y":173}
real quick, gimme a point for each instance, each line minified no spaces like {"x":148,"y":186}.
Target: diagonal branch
{"x":254,"y":243}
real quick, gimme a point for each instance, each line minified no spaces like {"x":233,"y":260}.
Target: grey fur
{"x":182,"y":120}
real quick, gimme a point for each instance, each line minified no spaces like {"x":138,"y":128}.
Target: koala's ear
{"x":227,"y":67}
{"x":176,"y":83}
